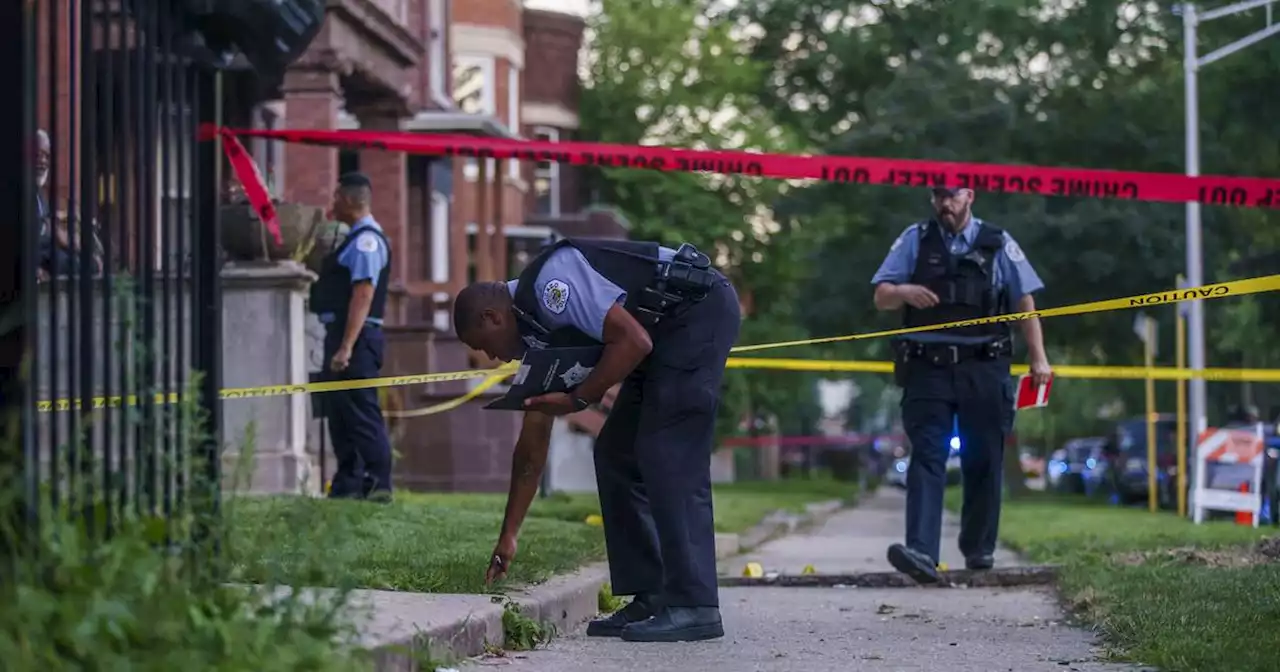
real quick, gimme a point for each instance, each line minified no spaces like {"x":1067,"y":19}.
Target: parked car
{"x":1069,"y":464}
{"x":1123,"y":475}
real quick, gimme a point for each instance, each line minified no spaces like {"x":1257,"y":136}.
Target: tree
{"x":673,"y":72}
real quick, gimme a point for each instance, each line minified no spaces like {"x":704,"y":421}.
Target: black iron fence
{"x":111,"y":321}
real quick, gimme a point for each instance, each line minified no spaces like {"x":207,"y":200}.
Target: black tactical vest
{"x":331,"y":292}
{"x":963,"y":283}
{"x":630,"y":265}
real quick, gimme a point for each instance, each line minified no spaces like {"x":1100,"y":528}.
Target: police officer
{"x":950,"y":268}
{"x":350,"y":298}
{"x":667,"y":320}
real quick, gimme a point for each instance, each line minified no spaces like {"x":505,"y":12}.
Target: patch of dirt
{"x":1265,"y":551}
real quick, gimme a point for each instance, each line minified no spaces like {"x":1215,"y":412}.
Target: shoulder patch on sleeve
{"x":555,"y":296}
{"x":1013,"y":251}
{"x":367,"y":242}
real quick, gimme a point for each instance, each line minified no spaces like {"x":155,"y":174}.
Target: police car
{"x":898,"y":469}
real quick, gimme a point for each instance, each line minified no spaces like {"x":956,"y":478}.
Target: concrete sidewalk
{"x":853,"y":540}
{"x":835,"y":630}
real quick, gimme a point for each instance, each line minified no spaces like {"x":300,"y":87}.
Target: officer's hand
{"x":340,"y":359}
{"x":1041,"y":372}
{"x":553,"y":403}
{"x":500,"y":561}
{"x":917,"y":296}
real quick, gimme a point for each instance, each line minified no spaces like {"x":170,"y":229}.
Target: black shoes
{"x":639,"y":621}
{"x":637,"y":610}
{"x":677,"y":624}
{"x":913,"y":563}
{"x":979,"y":562}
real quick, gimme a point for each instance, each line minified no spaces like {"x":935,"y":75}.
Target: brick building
{"x":518,"y":66}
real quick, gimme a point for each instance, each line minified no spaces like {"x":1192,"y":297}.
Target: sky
{"x":578,"y":7}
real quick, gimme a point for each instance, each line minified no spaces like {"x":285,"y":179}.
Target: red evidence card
{"x":1030,"y":395}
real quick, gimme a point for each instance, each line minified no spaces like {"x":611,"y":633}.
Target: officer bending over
{"x":956,"y":267}
{"x":667,"y":321}
{"x":350,"y":298}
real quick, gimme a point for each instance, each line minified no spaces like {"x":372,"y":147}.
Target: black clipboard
{"x":545,"y":371}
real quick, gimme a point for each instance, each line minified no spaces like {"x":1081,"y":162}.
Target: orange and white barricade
{"x":1228,"y":447}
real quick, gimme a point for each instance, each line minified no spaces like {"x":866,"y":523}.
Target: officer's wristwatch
{"x":579,"y":404}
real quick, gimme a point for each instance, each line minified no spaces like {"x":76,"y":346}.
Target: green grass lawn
{"x":441,"y":542}
{"x":1164,"y":592}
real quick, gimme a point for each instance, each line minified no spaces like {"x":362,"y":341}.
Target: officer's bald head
{"x":483,"y":319}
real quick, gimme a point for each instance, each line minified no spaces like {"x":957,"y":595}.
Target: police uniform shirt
{"x":1011,"y":269}
{"x":365,"y":258}
{"x":571,"y":293}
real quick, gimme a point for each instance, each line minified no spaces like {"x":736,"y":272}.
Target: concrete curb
{"x":563,"y":601}
{"x":775,"y":525}
{"x":1005,"y":577}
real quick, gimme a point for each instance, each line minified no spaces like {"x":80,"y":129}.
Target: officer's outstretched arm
{"x":626,"y":344}
{"x":527,"y":462}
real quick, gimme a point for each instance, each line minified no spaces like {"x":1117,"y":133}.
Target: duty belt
{"x":945,"y":354}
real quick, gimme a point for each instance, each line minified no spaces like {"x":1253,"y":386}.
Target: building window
{"x":437,"y":55}
{"x":513,"y":113}
{"x":439,"y":237}
{"x":474,"y":85}
{"x":546,"y":176}
{"x":348,"y":161}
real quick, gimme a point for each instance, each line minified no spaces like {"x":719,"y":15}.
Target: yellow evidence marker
{"x":753,"y":570}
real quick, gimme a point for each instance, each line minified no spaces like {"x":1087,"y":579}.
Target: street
{"x":837,"y":629}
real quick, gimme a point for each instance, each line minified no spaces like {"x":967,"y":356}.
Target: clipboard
{"x":547,"y":370}
{"x":1031,"y":396}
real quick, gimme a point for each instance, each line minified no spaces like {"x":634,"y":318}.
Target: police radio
{"x":689,"y":272}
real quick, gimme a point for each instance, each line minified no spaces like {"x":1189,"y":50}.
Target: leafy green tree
{"x":672,"y":72}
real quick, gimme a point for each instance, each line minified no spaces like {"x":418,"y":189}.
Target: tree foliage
{"x":1055,"y":82}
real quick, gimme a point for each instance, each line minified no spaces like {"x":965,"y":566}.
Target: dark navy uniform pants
{"x":356,"y":428}
{"x":653,"y":458}
{"x":977,"y":395}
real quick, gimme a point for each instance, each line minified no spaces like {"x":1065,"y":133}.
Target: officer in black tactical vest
{"x":350,"y":298}
{"x":667,"y":320}
{"x":951,"y":268}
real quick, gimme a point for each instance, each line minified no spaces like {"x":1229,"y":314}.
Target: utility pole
{"x":1192,"y":18}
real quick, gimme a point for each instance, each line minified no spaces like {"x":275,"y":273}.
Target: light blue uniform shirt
{"x":1011,"y":268}
{"x":365,"y":257}
{"x":571,"y":293}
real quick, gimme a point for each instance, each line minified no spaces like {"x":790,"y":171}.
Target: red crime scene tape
{"x":1255,"y":192}
{"x":254,"y":188}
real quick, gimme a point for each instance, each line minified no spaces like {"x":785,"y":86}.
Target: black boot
{"x":913,"y":563}
{"x":638,"y":609}
{"x":979,"y":562}
{"x":677,"y":624}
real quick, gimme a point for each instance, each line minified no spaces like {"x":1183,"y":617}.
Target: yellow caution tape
{"x":301,"y":388}
{"x":452,"y":403}
{"x":753,"y":570}
{"x":1064,"y":371}
{"x":1216,"y":291}
{"x":1221,"y":290}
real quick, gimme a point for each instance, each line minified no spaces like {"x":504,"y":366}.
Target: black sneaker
{"x":637,"y":610}
{"x":913,"y":563}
